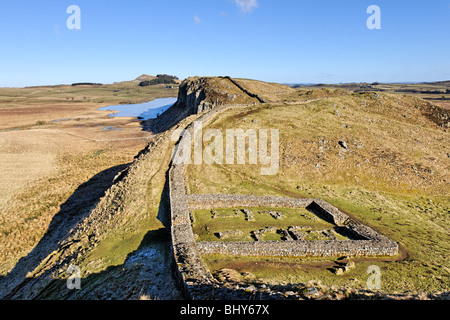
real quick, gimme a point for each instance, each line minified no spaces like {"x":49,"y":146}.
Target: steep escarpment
{"x":199,"y":94}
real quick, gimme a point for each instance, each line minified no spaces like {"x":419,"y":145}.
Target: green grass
{"x":396,"y":276}
{"x":206,"y":227}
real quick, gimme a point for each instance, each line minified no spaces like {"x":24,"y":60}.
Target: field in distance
{"x":52,"y":140}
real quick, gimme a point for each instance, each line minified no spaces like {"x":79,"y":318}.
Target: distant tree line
{"x":166,"y":76}
{"x":86,"y":84}
{"x":160,"y":79}
{"x":423,"y":91}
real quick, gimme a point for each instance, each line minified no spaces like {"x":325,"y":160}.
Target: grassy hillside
{"x":392,"y":175}
{"x":53,"y":140}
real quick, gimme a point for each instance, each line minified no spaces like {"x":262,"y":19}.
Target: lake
{"x":145,"y":111}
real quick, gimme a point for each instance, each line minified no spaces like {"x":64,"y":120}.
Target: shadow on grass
{"x":145,"y":274}
{"x":73,"y":211}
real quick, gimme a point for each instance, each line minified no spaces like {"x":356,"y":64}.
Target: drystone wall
{"x":251,"y":94}
{"x":369,"y":242}
{"x":300,"y":248}
{"x":189,"y":269}
{"x":193,"y":276}
{"x":211,"y":201}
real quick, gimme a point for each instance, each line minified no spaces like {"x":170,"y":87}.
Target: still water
{"x":145,"y":111}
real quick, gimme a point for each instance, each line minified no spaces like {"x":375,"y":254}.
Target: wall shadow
{"x":164,"y":203}
{"x":73,"y":211}
{"x":145,"y":273}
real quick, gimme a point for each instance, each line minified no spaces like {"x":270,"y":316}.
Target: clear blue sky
{"x":281,"y":41}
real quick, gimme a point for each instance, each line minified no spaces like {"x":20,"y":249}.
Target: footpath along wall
{"x":193,"y":276}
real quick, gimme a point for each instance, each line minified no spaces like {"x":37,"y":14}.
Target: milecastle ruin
{"x":193,"y":275}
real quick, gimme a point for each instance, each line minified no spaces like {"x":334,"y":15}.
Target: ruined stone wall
{"x":211,"y":201}
{"x":189,"y":269}
{"x":327,"y":211}
{"x":301,"y":248}
{"x":251,"y":94}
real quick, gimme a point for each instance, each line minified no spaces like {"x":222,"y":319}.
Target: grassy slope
{"x":34,"y":199}
{"x":393,"y":177}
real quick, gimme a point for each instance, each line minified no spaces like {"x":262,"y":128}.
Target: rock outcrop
{"x":195,"y":95}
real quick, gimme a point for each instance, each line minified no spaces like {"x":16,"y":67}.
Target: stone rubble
{"x":273,"y":214}
{"x":248,"y":215}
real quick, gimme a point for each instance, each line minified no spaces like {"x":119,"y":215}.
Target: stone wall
{"x":369,"y":242}
{"x":211,"y":201}
{"x":300,"y":248}
{"x":192,"y":274}
{"x":251,"y":94}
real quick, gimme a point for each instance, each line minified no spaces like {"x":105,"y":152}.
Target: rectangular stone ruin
{"x":273,"y":214}
{"x":189,"y":269}
{"x":366,"y":240}
{"x":248,"y":215}
{"x":296,"y":233}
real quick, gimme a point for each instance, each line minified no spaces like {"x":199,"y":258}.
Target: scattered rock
{"x":250,"y":288}
{"x":230,"y":275}
{"x":248,"y":215}
{"x":325,"y":297}
{"x":343,"y":144}
{"x":349,"y":265}
{"x":338,"y":271}
{"x":310,"y":293}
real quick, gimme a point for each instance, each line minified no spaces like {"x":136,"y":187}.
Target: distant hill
{"x":440,"y":83}
{"x":144,"y":77}
{"x":160,"y":79}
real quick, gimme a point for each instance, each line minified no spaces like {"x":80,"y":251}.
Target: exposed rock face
{"x":195,"y":95}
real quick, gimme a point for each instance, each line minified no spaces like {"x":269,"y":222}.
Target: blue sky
{"x":281,"y":41}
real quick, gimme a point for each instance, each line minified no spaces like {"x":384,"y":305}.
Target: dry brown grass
{"x":44,"y":161}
